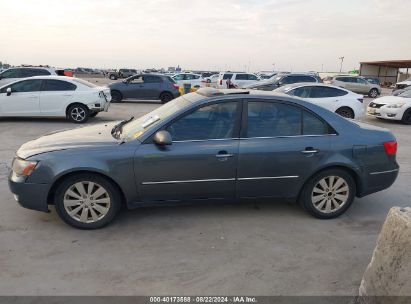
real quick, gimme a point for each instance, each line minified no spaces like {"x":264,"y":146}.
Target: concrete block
{"x":389,"y":272}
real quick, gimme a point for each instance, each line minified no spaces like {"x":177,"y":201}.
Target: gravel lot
{"x":261,"y":248}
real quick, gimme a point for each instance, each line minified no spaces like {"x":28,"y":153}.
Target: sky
{"x":251,"y":35}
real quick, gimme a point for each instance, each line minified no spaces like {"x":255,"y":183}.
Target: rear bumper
{"x":30,"y":196}
{"x":377,"y":181}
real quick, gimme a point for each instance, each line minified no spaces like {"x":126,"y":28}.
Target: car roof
{"x":306,"y":84}
{"x":33,"y":67}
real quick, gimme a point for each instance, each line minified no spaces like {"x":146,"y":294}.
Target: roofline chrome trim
{"x":248,"y":138}
{"x":268,"y":177}
{"x":384,"y":172}
{"x":190,"y":181}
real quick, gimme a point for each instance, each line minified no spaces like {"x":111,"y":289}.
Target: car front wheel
{"x":328,"y":194}
{"x":406,"y":118}
{"x":87,"y":201}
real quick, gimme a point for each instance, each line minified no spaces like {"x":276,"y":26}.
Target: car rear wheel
{"x":373,"y":93}
{"x":406,"y":118}
{"x":328,"y":194}
{"x":166,"y":97}
{"x":87,"y":201}
{"x":116,"y":96}
{"x":113,"y":77}
{"x":345,"y":112}
{"x":78,"y":113}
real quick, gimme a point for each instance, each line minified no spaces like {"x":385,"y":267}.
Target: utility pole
{"x":342,"y":61}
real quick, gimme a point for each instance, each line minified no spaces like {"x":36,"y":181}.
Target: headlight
{"x":23,"y":167}
{"x":396,"y":105}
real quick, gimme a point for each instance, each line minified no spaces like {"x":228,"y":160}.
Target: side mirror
{"x":162,"y":138}
{"x":8,"y":91}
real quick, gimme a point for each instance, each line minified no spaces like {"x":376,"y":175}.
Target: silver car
{"x":357,"y":84}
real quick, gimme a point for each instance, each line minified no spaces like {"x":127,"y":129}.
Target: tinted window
{"x":58,"y":85}
{"x":270,"y":119}
{"x":313,"y":125}
{"x":152,"y":79}
{"x":323,"y":92}
{"x":190,"y":77}
{"x":362,"y":81}
{"x":343,"y":79}
{"x":305,"y":79}
{"x":26,"y":86}
{"x":227,"y":76}
{"x":241,"y":77}
{"x":210,"y":122}
{"x":12,"y":73}
{"x":288,"y":80}
{"x":252,"y":77}
{"x":178,"y":77}
{"x":35,"y":72}
{"x":303,"y":92}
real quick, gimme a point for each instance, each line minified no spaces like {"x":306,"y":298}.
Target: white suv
{"x":195,"y":80}
{"x":237,"y":79}
{"x":13,"y":74}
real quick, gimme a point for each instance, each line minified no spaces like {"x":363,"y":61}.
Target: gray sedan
{"x":145,"y":86}
{"x":221,"y":145}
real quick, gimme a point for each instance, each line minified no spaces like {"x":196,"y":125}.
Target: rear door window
{"x":152,"y":79}
{"x":241,"y":77}
{"x":227,"y":76}
{"x":272,"y":119}
{"x":324,"y":92}
{"x":312,"y":125}
{"x":306,"y":79}
{"x":58,"y":85}
{"x":36,"y":72}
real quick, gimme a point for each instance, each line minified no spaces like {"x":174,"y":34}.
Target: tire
{"x":166,"y":97}
{"x":346,"y":112}
{"x":93,"y":114}
{"x":337,"y":201}
{"x":113,"y":77}
{"x":78,"y":113}
{"x":373,"y":93}
{"x":116,"y":96}
{"x":406,"y":118}
{"x":88,"y":216}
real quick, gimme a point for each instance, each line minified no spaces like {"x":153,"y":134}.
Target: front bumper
{"x":28,"y":195}
{"x":386,"y":113}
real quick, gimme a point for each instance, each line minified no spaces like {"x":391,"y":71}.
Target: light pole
{"x":342,"y":60}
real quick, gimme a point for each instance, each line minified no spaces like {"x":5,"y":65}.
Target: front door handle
{"x":223,"y":155}
{"x":310,"y":150}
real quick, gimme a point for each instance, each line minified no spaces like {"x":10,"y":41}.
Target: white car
{"x":13,"y":74}
{"x":238,"y":80}
{"x":403,"y":84}
{"x":195,"y":80}
{"x":53,"y":96}
{"x":335,"y":99}
{"x":392,"y":107}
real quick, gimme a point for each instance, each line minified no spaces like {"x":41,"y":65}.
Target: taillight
{"x":361,"y":100}
{"x":176,"y":86}
{"x":221,"y":82}
{"x":390,"y":147}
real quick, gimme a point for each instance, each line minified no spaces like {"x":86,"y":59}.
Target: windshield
{"x":84,"y":82}
{"x":136,"y":128}
{"x":406,"y":94}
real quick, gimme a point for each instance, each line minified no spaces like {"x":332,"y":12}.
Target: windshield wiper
{"x":118,"y":128}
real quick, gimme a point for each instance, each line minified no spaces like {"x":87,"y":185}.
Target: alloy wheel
{"x":78,"y":114}
{"x":87,"y":202}
{"x":330,"y":194}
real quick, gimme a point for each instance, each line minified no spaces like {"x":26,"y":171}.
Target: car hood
{"x":386,"y":100}
{"x":83,"y":137}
